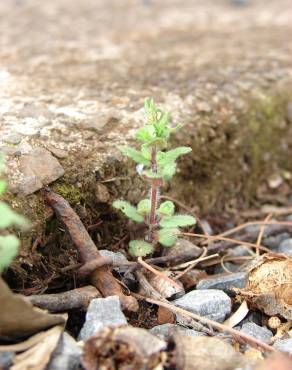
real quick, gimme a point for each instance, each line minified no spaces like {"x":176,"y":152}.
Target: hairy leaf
{"x":144,"y":206}
{"x":135,"y":155}
{"x":166,"y":208}
{"x":9,"y":218}
{"x":9,"y":245}
{"x":129,"y":210}
{"x":140,"y":248}
{"x":168,"y":171}
{"x":146,"y":134}
{"x":170,"y":156}
{"x":177,"y":221}
{"x":168,"y":236}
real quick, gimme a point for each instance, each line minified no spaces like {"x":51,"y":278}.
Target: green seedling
{"x":9,"y":244}
{"x":157,"y":165}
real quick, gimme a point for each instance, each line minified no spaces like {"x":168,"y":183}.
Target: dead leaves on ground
{"x":269,"y":286}
{"x":19,"y":318}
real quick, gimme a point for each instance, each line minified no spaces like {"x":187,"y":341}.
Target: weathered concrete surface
{"x":73,"y":77}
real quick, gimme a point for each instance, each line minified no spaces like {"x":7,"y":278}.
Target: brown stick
{"x":237,"y":335}
{"x":101,"y":277}
{"x":61,"y":302}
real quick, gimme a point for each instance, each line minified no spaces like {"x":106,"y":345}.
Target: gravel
{"x":102,"y":312}
{"x":284,"y":345}
{"x":66,"y":355}
{"x":286,"y":247}
{"x":224,"y":282}
{"x":211,"y":303}
{"x":256,"y":331}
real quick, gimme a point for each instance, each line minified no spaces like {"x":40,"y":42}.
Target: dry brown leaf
{"x":237,"y":316}
{"x":18,"y":317}
{"x":38,"y":356}
{"x":269,"y":285}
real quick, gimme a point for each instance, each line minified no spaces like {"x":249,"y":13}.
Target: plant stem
{"x":154,"y":191}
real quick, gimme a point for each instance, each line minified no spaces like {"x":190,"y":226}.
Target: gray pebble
{"x":166,"y":331}
{"x":273,"y":242}
{"x":256,"y":331}
{"x":214,"y":304}
{"x":67,"y":354}
{"x":284,"y":345}
{"x":224,"y":282}
{"x":102,"y":312}
{"x":286,"y":247}
{"x":6,"y":360}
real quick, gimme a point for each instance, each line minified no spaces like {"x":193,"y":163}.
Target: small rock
{"x":207,"y":227}
{"x":58,"y":153}
{"x":224,"y":282}
{"x":117,"y":257}
{"x":13,"y":139}
{"x":256,"y":331}
{"x":66,"y":355}
{"x":273,"y":242}
{"x":286,"y":247}
{"x":214,"y":304}
{"x":166,"y":331}
{"x":101,"y":193}
{"x":229,"y":265}
{"x":240,"y":251}
{"x":207,"y":353}
{"x":6,"y":360}
{"x":102,"y":312}
{"x":275,"y":180}
{"x":39,"y":168}
{"x":284,"y":345}
{"x":182,"y":246}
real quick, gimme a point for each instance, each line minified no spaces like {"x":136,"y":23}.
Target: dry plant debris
{"x":18,"y":317}
{"x":124,"y":348}
{"x":269,"y":285}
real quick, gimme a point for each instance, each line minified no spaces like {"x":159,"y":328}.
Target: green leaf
{"x":140,"y":248}
{"x":168,"y":171}
{"x":9,"y":245}
{"x":135,"y":155}
{"x":166,"y":208}
{"x":144,"y":206}
{"x":164,"y":158}
{"x":2,"y":186}
{"x":146,"y":134}
{"x":9,"y":218}
{"x":129,"y":210}
{"x":177,"y":221}
{"x":168,"y":237}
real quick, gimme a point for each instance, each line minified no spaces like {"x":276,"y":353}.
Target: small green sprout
{"x":157,"y":165}
{"x":9,"y":244}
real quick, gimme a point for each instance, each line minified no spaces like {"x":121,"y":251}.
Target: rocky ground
{"x":73,"y":78}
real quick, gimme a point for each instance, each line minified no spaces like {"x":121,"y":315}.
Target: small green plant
{"x":157,"y":165}
{"x":9,"y":244}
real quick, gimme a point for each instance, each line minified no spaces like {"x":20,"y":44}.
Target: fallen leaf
{"x":269,"y":285}
{"x":237,"y":316}
{"x":38,"y":356}
{"x":18,"y":317}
